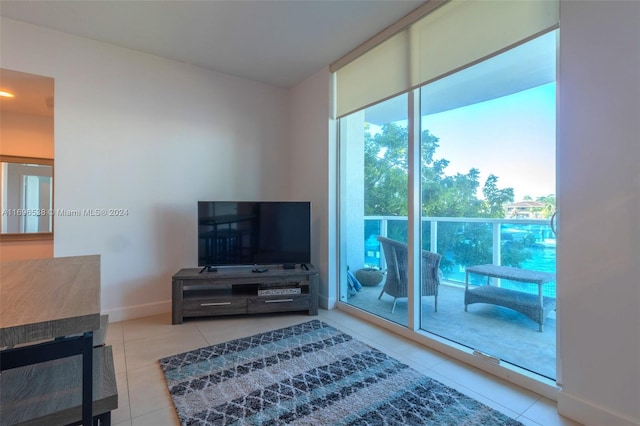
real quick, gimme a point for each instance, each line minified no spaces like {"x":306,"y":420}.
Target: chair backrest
{"x":396,"y":255}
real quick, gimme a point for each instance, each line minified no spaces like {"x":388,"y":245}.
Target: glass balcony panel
{"x":372,"y":249}
{"x":515,"y":336}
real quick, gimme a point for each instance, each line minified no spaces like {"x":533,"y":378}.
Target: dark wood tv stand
{"x":235,"y":290}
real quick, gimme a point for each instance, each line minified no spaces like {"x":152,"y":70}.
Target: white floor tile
{"x":152,"y":327}
{"x":147,"y":351}
{"x":163,"y":417}
{"x":147,"y":391}
{"x":139,"y":344}
{"x":545,"y":412}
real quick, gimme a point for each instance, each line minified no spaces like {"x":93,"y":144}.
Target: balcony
{"x":493,"y":330}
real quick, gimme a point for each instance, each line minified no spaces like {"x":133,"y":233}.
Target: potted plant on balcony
{"x":369,"y":276}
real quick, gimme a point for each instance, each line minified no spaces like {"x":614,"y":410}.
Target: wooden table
{"x":49,"y":309}
{"x":536,"y":307}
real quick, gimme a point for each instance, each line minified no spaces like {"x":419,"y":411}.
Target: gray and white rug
{"x":311,"y":374}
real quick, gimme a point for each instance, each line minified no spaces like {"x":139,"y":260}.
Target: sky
{"x":512,"y":137}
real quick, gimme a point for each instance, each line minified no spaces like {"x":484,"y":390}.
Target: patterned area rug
{"x":311,"y":374}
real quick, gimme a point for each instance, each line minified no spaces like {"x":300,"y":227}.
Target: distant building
{"x":524,"y":210}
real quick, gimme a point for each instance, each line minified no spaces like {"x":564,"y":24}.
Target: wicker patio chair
{"x":396,"y":283}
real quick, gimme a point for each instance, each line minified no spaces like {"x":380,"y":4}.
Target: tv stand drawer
{"x":280,"y":303}
{"x":215,"y":306}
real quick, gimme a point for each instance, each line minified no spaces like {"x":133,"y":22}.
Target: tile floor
{"x":143,"y":398}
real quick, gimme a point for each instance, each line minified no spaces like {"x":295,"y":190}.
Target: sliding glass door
{"x":373,"y":203}
{"x":486,"y":185}
{"x":490,"y":181}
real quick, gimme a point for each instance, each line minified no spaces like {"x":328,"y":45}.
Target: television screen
{"x":254,"y":232}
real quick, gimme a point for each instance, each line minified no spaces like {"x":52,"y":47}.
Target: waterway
{"x":543,"y":259}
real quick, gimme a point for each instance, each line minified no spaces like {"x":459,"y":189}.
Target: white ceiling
{"x":33,"y":93}
{"x":279,"y":42}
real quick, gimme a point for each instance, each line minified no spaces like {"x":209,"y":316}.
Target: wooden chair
{"x":396,"y":283}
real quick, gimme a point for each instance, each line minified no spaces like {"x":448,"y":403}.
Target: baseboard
{"x":326,"y":303}
{"x":138,"y":311}
{"x":588,"y":413}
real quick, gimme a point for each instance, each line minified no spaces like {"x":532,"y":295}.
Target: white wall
{"x":599,"y":211}
{"x":153,"y":136}
{"x":313,"y":170}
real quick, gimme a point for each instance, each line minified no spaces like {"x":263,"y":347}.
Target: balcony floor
{"x":494,"y":330}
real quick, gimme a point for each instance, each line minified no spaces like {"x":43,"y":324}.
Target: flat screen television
{"x":254,"y":233}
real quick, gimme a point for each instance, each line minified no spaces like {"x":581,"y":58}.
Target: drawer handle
{"x":215,"y":304}
{"x":278,"y":300}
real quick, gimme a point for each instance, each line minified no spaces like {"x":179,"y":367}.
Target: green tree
{"x":549,"y":206}
{"x":386,"y":194}
{"x":386,"y":184}
{"x":386,"y":180}
{"x":495,"y":198}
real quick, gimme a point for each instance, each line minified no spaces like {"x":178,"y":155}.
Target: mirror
{"x":26,"y":195}
{"x":26,"y":156}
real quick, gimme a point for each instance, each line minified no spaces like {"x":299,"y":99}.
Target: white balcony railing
{"x":493,"y":240}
